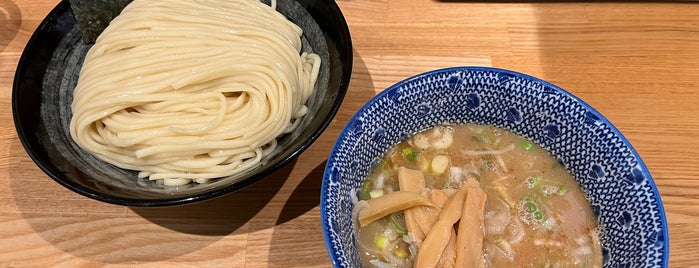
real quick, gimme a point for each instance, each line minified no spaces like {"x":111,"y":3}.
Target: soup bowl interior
{"x":613,"y":177}
{"x":48,"y":71}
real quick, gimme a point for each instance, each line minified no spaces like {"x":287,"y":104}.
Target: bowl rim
{"x":326,"y":173}
{"x":64,"y":7}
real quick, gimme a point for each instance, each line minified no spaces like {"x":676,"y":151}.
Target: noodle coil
{"x":187,"y":91}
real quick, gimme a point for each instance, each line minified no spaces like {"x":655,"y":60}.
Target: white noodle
{"x":192,"y":90}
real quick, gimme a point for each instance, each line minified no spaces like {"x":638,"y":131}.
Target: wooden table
{"x":637,"y":63}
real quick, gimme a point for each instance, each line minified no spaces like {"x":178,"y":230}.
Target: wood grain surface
{"x":635,"y":62}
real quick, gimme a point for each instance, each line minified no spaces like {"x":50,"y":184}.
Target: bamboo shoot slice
{"x":387,"y":204}
{"x":437,"y":239}
{"x":412,"y":181}
{"x":448,"y":259}
{"x":469,"y":243}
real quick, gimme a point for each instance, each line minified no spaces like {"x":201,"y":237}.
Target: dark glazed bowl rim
{"x":31,"y":146}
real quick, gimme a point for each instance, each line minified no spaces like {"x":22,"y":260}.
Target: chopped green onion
{"x":526,"y":145}
{"x":538,"y":216}
{"x":386,"y":168}
{"x":409,"y":154}
{"x":365,"y":193}
{"x":533,"y":181}
{"x":482,"y":139}
{"x":381,"y":242}
{"x":548,"y":190}
{"x":412,"y":156}
{"x":531,"y":207}
{"x":400,"y":253}
{"x":396,"y":224}
{"x":375,"y":193}
{"x":561,"y":191}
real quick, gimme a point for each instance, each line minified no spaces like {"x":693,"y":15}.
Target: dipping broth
{"x":518,"y":206}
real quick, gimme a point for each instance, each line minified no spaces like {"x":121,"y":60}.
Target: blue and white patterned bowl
{"x":613,"y":176}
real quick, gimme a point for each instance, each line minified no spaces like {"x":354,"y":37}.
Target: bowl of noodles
{"x":172,"y":102}
{"x":484,"y":167}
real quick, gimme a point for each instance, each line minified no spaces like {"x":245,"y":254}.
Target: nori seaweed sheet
{"x":92,"y":16}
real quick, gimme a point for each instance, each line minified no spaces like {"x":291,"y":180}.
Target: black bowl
{"x":47,"y":73}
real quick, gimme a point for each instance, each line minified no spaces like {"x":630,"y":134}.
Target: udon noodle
{"x":187,"y":91}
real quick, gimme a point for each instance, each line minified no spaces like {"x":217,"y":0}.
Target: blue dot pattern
{"x":612,"y":175}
